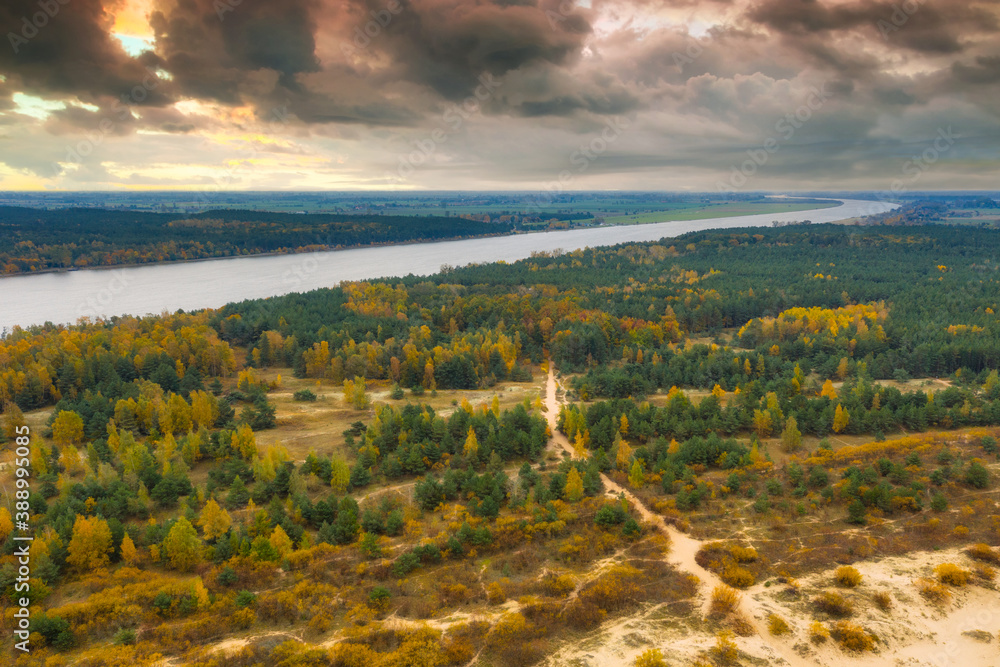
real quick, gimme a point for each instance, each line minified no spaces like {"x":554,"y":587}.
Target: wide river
{"x":65,"y":297}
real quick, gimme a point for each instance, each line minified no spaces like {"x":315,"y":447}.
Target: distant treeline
{"x":40,"y":240}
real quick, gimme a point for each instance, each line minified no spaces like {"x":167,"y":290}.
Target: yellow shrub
{"x":834,"y":604}
{"x":243,"y":618}
{"x":651,"y":658}
{"x":847,"y":576}
{"x":558,"y":586}
{"x":984,"y":553}
{"x":852,"y":637}
{"x":495,"y":593}
{"x":818,"y":633}
{"x":743,"y":554}
{"x":883,"y":600}
{"x":932,"y":591}
{"x":725,"y":600}
{"x":949,"y":573}
{"x":737,"y":576}
{"x":725,"y":650}
{"x":777,"y":625}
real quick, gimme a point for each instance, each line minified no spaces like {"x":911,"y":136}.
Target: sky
{"x":553,"y":95}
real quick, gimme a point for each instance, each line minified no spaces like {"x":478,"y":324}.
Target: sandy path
{"x":683,"y":547}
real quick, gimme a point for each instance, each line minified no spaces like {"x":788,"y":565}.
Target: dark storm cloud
{"x":69,"y":51}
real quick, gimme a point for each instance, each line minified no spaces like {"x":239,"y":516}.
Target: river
{"x":65,"y":297}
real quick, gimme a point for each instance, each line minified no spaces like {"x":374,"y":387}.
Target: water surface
{"x":138,"y":290}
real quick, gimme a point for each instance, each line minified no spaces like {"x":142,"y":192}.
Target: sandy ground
{"x":914,"y":633}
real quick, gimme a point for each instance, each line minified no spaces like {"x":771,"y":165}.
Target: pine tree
{"x":573,"y":491}
{"x":238,"y":494}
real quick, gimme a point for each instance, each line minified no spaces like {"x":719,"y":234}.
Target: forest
{"x":38,"y":239}
{"x":833,"y":384}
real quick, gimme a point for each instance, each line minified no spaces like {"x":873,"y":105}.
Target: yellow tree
{"x":340,"y":474}
{"x":828,"y":390}
{"x":355,"y":394}
{"x":842,"y":368}
{"x":623,"y":424}
{"x":90,"y":547}
{"x":841,"y":418}
{"x":6,"y":525}
{"x":13,"y":419}
{"x":471,"y":447}
{"x":636,"y":478}
{"x":495,"y":406}
{"x":580,"y":445}
{"x":762,"y":423}
{"x":67,"y":428}
{"x":214,"y":520}
{"x":130,"y":556}
{"x":791,"y":437}
{"x":718,"y":392}
{"x":182,"y":546}
{"x":573,"y":491}
{"x":280,"y":541}
{"x":624,"y":455}
{"x":245,"y":442}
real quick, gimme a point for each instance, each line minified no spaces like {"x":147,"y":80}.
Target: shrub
{"x":852,"y":637}
{"x":739,"y":624}
{"x":612,"y":514}
{"x":777,"y":625}
{"x":738,"y":577}
{"x":583,"y":614}
{"x":951,"y":574}
{"x":227,"y":576}
{"x":725,"y":600}
{"x":933,"y":591}
{"x":379,"y":598}
{"x":725,"y":651}
{"x":984,"y":572}
{"x":818,"y":633}
{"x":883,"y":600}
{"x":743,"y":554}
{"x":558,"y":586}
{"x":834,"y":604}
{"x":304,"y":395}
{"x":847,"y":576}
{"x":242,"y":619}
{"x":984,"y":553}
{"x":245,"y":599}
{"x":651,"y":658}
{"x":495,"y":593}
{"x":124,"y":637}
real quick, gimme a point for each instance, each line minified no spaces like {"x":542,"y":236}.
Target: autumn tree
{"x":762,"y":423}
{"x":842,"y":369}
{"x":214,"y":520}
{"x":355,"y":394}
{"x":841,"y":419}
{"x":67,"y":428}
{"x":280,"y":541}
{"x":636,"y":478}
{"x":791,"y":437}
{"x":13,"y":419}
{"x":340,"y":475}
{"x":244,"y":442}
{"x":828,"y":390}
{"x":624,"y":455}
{"x":130,"y":556}
{"x":6,"y":524}
{"x":182,"y":546}
{"x":573,"y":491}
{"x":471,"y":448}
{"x":90,"y":547}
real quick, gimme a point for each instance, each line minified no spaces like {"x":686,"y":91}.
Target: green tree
{"x":182,"y":546}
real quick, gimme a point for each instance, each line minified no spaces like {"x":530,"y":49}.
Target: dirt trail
{"x":683,"y":547}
